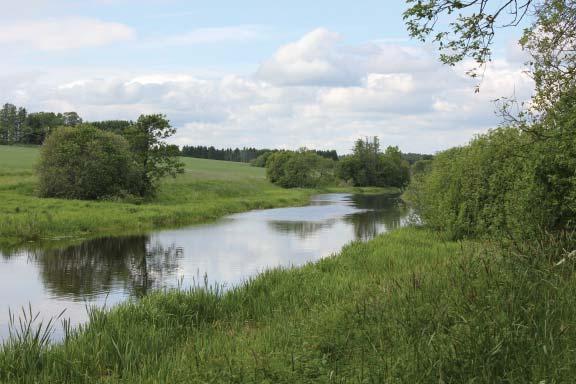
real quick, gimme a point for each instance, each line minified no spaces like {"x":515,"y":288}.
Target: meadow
{"x":410,"y":306}
{"x":406,"y":307}
{"x":208,"y":189}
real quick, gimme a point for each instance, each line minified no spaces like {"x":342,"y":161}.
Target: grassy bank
{"x":406,"y":307}
{"x":208,"y":189}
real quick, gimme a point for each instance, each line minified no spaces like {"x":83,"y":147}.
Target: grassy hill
{"x":208,"y":189}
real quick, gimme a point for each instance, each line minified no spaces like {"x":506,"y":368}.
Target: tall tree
{"x":154,"y":156}
{"x":71,"y":119}
{"x":39,"y":124}
{"x":8,"y":123}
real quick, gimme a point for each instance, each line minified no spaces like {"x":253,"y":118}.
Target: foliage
{"x":12,"y":121}
{"x":405,"y":307}
{"x":551,"y":43}
{"x":412,"y":158}
{"x":261,"y":160}
{"x":470,"y":26}
{"x":303,"y":169}
{"x":368,"y":166}
{"x":154,"y":157}
{"x":508,"y":183}
{"x":244,"y":155}
{"x":115,"y":126}
{"x":469,"y":30}
{"x":85,"y":163}
{"x":17,"y":126}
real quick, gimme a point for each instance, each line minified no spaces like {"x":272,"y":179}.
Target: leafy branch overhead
{"x":471,"y":26}
{"x":466,"y":29}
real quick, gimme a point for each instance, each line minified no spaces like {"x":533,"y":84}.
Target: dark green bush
{"x":84,"y":162}
{"x":303,"y":169}
{"x":513,"y":183}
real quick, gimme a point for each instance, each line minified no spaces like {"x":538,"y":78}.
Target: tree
{"x":368,"y":166}
{"x":154,"y":157}
{"x":71,"y":119}
{"x":86,"y":163}
{"x":470,"y":27}
{"x":304,"y":169}
{"x":550,"y":41}
{"x":8,"y":123}
{"x":519,"y":181}
{"x":39,"y":124}
{"x":115,"y":126}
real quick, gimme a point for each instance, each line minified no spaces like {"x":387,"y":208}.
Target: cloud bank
{"x":316,"y":91}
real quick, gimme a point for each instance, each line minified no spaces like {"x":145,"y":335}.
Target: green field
{"x":207,"y":190}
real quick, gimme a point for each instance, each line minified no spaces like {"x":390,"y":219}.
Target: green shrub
{"x":261,"y":160}
{"x":303,"y":169}
{"x":85,"y":163}
{"x":514,"y":183}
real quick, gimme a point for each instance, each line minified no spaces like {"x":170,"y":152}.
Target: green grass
{"x":406,"y":307}
{"x":207,"y":190}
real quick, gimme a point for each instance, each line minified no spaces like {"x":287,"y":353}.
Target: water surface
{"x":109,"y":270}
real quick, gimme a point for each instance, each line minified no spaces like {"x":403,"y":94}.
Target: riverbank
{"x":208,"y":190}
{"x":404,"y":307}
{"x":325,"y":321}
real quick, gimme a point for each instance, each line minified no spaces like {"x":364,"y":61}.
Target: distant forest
{"x":17,"y":126}
{"x":244,"y":155}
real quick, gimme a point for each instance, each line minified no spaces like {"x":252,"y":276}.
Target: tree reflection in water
{"x":95,"y":266}
{"x":378,"y":213}
{"x":302,"y":229}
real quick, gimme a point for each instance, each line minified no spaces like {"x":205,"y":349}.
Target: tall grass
{"x":406,"y":307}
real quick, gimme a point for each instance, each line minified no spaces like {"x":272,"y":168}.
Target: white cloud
{"x":62,"y":34}
{"x":312,"y":60}
{"x":316,"y":92}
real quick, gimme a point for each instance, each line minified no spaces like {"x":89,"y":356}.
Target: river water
{"x":110,"y":270}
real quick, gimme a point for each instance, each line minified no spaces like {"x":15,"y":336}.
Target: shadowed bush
{"x":85,"y":163}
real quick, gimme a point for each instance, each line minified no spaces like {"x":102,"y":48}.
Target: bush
{"x":514,"y":183}
{"x":261,"y":160}
{"x":303,"y":169}
{"x":85,"y":163}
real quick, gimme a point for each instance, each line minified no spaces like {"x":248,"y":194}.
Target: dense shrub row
{"x":519,"y":183}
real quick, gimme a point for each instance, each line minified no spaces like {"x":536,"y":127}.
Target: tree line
{"x":242,"y":155}
{"x":17,"y":126}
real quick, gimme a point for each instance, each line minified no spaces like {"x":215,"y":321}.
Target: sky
{"x":291,"y":74}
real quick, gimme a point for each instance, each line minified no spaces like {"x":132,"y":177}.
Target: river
{"x":107,"y":271}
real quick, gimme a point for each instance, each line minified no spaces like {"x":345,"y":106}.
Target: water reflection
{"x":372,"y":215}
{"x":238,"y":247}
{"x":301,"y":228}
{"x":380,"y":215}
{"x":95,"y":266}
